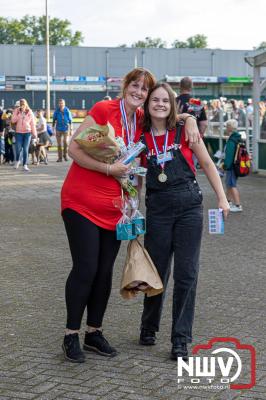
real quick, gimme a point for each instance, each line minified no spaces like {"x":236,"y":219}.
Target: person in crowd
{"x":1,"y":120}
{"x":90,"y":216}
{"x":107,"y":98}
{"x":9,"y":134}
{"x":183,"y":105}
{"x":2,"y":138}
{"x":174,"y":215}
{"x":232,"y":191}
{"x":241,"y":114}
{"x":62,"y":123}
{"x":249,"y":111}
{"x":43,"y":137}
{"x":24,"y":119}
{"x":186,"y":86}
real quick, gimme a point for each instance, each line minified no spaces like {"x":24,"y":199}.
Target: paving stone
{"x":34,"y":264}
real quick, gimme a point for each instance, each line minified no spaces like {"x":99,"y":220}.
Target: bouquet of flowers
{"x":99,"y":142}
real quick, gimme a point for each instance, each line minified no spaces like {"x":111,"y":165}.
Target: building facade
{"x":84,"y":75}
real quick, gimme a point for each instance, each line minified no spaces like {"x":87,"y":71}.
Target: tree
{"x":150,"y":43}
{"x":197,"y":42}
{"x":193,"y":42}
{"x":32,"y":30}
{"x":261,"y":46}
{"x":179,"y":45}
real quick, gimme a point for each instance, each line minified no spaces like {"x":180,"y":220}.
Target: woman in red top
{"x":174,"y":215}
{"x":90,"y":216}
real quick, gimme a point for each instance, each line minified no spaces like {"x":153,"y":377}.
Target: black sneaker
{"x":147,"y":337}
{"x":179,"y":350}
{"x":71,"y":348}
{"x":59,"y":160}
{"x":95,"y":341}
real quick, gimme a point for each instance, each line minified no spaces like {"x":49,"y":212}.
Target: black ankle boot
{"x":179,"y":350}
{"x":95,"y":341}
{"x":147,"y":337}
{"x":71,"y":348}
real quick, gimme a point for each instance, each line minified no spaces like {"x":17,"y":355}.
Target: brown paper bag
{"x":139,"y":273}
{"x":99,"y":142}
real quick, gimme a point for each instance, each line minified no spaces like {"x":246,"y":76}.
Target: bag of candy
{"x":124,"y":227}
{"x":137,"y":218}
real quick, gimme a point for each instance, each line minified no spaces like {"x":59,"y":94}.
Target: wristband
{"x":108,"y":169}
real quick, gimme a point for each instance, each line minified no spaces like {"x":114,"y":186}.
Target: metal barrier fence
{"x":216,"y":128}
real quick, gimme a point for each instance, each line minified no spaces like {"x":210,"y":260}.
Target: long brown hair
{"x":136,"y":74}
{"x":171,"y":119}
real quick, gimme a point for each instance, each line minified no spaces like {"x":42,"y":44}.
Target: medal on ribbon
{"x":162,"y":157}
{"x":129,"y":132}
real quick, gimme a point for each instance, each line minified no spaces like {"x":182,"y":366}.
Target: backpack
{"x":241,"y":162}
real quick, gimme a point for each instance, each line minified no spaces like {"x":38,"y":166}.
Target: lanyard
{"x":164,"y":146}
{"x":130,"y":132}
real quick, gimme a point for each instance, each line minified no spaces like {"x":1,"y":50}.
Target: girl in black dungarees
{"x":174,"y":215}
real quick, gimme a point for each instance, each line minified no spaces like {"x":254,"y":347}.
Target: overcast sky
{"x":228,"y":24}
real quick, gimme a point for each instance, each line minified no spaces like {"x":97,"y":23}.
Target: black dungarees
{"x":174,"y":228}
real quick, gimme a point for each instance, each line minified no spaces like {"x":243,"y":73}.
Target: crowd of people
{"x":223,"y":109}
{"x":24,"y":133}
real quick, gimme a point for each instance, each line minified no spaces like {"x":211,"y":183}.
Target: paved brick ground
{"x":35,"y":261}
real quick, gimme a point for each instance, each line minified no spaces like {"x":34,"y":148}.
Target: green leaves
{"x":193,"y":42}
{"x":148,"y":42}
{"x":32,"y":30}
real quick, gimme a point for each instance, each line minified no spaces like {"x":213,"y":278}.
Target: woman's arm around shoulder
{"x":192,"y":134}
{"x":211,"y":172}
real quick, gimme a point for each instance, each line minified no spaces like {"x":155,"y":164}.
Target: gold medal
{"x":162,"y":177}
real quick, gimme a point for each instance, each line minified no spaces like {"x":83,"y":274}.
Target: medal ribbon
{"x":164,"y":146}
{"x":130,"y":132}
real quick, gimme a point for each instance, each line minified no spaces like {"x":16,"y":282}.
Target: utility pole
{"x":47,"y":64}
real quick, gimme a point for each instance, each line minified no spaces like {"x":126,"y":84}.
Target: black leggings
{"x":89,"y":283}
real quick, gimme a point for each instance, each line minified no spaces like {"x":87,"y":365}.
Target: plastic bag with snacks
{"x":137,"y":218}
{"x":124,"y":227}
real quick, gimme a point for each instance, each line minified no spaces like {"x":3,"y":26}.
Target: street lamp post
{"x":143,"y":58}
{"x":47,"y":63}
{"x":107,"y":69}
{"x":54,"y":72}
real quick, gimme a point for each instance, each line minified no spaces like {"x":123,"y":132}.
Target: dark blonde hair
{"x":171,"y":119}
{"x":27,"y":107}
{"x":136,"y":74}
